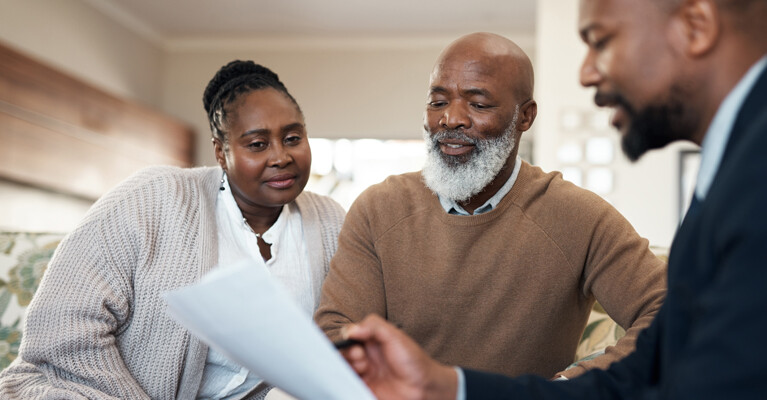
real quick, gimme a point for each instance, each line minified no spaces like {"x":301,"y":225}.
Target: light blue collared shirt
{"x":452,"y":207}
{"x":713,"y":146}
{"x":718,"y":133}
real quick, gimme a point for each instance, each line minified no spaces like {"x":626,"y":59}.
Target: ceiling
{"x":176,"y":19}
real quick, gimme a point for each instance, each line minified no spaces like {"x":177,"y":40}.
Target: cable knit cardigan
{"x":97,"y":327}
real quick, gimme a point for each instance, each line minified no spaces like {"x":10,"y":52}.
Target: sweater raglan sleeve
{"x":625,"y":277}
{"x":354,"y":286}
{"x":69,"y":346}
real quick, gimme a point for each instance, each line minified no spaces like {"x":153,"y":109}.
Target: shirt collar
{"x":452,"y":207}
{"x":718,"y":133}
{"x":233,"y":211}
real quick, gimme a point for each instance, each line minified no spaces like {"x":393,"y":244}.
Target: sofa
{"x":24,"y":257}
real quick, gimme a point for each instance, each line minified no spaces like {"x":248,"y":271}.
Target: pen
{"x":346,"y":343}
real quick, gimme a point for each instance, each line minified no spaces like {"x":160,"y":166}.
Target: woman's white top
{"x":289,"y":265}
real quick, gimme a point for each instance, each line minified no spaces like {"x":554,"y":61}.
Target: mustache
{"x":453,"y":134}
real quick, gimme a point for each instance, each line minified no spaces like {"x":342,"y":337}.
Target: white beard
{"x":459,"y":178}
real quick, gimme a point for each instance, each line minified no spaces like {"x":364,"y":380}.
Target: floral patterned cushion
{"x":23,"y":259}
{"x":601,"y":331}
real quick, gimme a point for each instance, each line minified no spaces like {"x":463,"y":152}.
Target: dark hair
{"x":230,"y":82}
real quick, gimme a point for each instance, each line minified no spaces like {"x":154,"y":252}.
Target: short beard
{"x":459,"y":178}
{"x":655,"y":126}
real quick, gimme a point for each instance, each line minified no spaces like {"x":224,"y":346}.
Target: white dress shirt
{"x":222,"y":378}
{"x":718,"y":133}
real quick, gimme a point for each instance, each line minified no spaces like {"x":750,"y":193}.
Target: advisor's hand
{"x":394,"y":366}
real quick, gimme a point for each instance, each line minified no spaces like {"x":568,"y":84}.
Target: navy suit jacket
{"x":709,"y":339}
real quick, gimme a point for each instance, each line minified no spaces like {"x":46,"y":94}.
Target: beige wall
{"x":73,"y":36}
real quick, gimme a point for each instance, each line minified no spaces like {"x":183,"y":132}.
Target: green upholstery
{"x":23,"y":259}
{"x":601,"y":331}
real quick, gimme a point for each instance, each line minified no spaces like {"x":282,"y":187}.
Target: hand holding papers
{"x":244,"y":314}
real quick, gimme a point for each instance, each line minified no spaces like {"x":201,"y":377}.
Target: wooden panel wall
{"x":59,"y":133}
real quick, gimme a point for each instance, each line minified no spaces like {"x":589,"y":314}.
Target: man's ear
{"x":218,"y":149}
{"x":700,"y":26}
{"x":527,"y":113}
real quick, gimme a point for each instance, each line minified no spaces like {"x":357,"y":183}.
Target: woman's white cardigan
{"x":97,"y":326}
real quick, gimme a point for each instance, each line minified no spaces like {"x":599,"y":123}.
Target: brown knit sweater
{"x":507,"y":291}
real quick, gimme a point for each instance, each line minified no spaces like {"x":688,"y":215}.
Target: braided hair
{"x":232,"y":81}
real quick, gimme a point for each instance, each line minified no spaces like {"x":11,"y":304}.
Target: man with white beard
{"x":485,"y":260}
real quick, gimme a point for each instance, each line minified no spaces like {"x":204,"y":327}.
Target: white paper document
{"x":242,"y":312}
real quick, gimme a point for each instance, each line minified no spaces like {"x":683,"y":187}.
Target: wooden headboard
{"x":61,"y":134}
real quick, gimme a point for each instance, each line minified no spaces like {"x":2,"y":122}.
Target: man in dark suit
{"x":673,"y":70}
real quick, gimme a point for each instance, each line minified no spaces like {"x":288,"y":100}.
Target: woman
{"x":97,"y":327}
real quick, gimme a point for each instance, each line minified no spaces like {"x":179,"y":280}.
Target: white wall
{"x":645,"y":192}
{"x":347,"y":87}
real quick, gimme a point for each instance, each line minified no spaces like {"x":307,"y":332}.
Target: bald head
{"x":493,"y":54}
